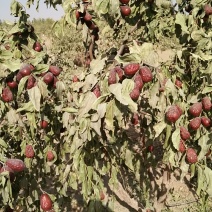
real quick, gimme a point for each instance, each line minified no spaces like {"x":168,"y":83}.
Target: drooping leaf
{"x":35,"y":97}
{"x":204,"y":143}
{"x":200,"y":180}
{"x":109,"y":116}
{"x":3,"y":143}
{"x":41,"y":68}
{"x":87,"y":103}
{"x":21,"y":85}
{"x":129,"y":159}
{"x":184,"y":167}
{"x":176,"y":138}
{"x":12,"y":117}
{"x":97,"y":65}
{"x":159,"y":127}
{"x":208,"y":180}
{"x":181,"y":20}
{"x":70,"y":110}
{"x":27,"y":107}
{"x":60,"y":88}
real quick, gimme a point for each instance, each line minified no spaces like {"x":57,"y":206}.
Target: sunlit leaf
{"x":35,"y":97}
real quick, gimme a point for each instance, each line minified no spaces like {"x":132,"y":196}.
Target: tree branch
{"x":126,"y":37}
{"x":91,"y":47}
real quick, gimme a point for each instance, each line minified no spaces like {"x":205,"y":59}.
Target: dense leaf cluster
{"x":88,"y":118}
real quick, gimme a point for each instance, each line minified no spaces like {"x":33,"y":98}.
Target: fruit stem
{"x":42,"y":191}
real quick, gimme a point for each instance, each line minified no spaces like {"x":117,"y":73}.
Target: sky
{"x":44,"y":12}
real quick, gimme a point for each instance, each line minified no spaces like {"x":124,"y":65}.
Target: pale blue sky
{"x":44,"y":12}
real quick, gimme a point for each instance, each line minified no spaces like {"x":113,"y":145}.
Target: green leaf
{"x":35,"y":97}
{"x":113,"y":182}
{"x":3,"y":178}
{"x":154,"y":95}
{"x":97,"y":66}
{"x":168,"y":134}
{"x":12,"y":66}
{"x":70,"y":110}
{"x":17,"y":54}
{"x":66,"y":173}
{"x":87,"y":103}
{"x":208,"y":69}
{"x":90,"y":81}
{"x":193,"y":169}
{"x":200,"y":180}
{"x":114,"y":7}
{"x":159,"y":127}
{"x":167,"y":55}
{"x":208,"y":180}
{"x":32,"y":120}
{"x":197,"y":35}
{"x":43,"y":88}
{"x":41,"y":68}
{"x":63,"y":191}
{"x":132,"y":57}
{"x":76,"y":143}
{"x":202,"y":56}
{"x":116,"y":90}
{"x":204,"y":142}
{"x":89,"y":177}
{"x":101,"y":110}
{"x":129,"y":159}
{"x":15,"y":8}
{"x":91,"y":206}
{"x":38,"y":57}
{"x":83,"y":125}
{"x":176,"y":138}
{"x":21,"y":85}
{"x":27,"y":107}
{"x":127,"y":86}
{"x":198,"y":3}
{"x":6,"y":55}
{"x":118,"y":113}
{"x":147,"y":53}
{"x":60,"y":88}
{"x":3,"y":143}
{"x":181,"y":20}
{"x":73,"y":181}
{"x":184,"y":166}
{"x":163,"y":4}
{"x":12,"y":117}
{"x":109,"y":116}
{"x":171,"y":88}
{"x":96,"y":126}
{"x":102,"y":6}
{"x":207,"y":89}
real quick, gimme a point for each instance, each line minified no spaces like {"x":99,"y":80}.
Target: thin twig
{"x":91,"y":47}
{"x":126,"y":37}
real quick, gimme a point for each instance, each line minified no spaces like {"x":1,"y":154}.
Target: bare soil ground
{"x":168,"y":193}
